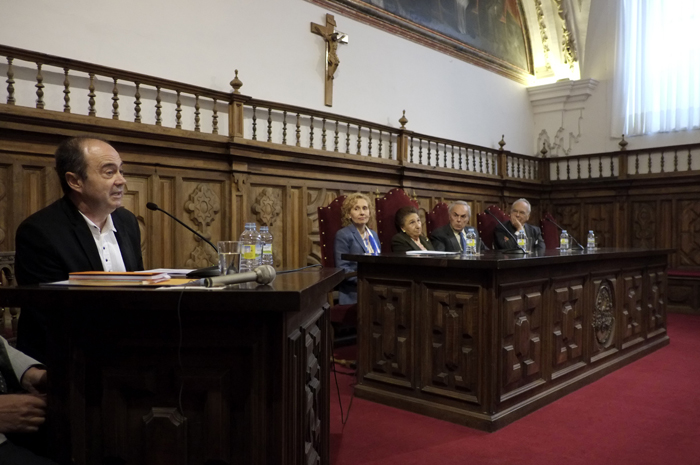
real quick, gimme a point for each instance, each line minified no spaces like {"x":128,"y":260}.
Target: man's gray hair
{"x":459,"y":202}
{"x":529,"y":207}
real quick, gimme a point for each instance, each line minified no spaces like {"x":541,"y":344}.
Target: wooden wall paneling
{"x":655,"y":299}
{"x":6,"y":195}
{"x":201,"y":204}
{"x":599,"y":217}
{"x":688,"y":238}
{"x":644,"y":223}
{"x":566,"y":327}
{"x":604,"y":317}
{"x":134,"y":200}
{"x":631,"y":309}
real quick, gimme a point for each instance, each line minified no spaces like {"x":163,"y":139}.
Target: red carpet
{"x":646,"y":413}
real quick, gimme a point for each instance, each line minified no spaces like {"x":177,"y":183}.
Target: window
{"x":657,"y":68}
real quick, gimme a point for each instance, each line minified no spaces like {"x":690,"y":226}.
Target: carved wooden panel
{"x":631,"y":310}
{"x":521,"y":346}
{"x":5,"y":219}
{"x":313,"y":386}
{"x":390,"y":310}
{"x":643,"y":224}
{"x":569,"y":218}
{"x":567,"y":324}
{"x":601,"y":219}
{"x":656,"y":301}
{"x":603,"y":318}
{"x":689,"y":239}
{"x":450,"y":359}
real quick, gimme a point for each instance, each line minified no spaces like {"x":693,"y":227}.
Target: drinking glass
{"x":229,"y":256}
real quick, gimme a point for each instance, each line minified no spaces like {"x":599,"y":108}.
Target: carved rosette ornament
{"x":603,"y":315}
{"x":203,"y":207}
{"x":267,"y":206}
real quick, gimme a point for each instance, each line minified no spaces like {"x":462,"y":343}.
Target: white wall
{"x":279,"y":59}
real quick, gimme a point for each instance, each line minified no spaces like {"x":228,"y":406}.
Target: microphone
{"x":561,"y":229}
{"x":264,"y":274}
{"x":202,"y":272}
{"x":515,"y":241}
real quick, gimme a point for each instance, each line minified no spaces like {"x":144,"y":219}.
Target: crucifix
{"x":332,"y":39}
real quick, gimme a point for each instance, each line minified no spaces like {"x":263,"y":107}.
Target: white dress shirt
{"x":107,"y":245}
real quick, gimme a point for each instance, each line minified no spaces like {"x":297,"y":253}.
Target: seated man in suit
{"x":453,"y":237}
{"x":22,"y":403}
{"x":85,"y":230}
{"x":519,"y":214}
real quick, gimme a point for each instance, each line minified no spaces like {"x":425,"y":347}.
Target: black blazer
{"x":54,"y":242}
{"x":504,"y":241}
{"x":443,"y":238}
{"x":402,"y":242}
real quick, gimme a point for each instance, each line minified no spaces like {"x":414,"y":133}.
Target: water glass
{"x":229,"y":256}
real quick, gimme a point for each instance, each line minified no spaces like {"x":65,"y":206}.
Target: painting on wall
{"x":489,"y":33}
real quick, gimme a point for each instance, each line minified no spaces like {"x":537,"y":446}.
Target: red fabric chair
{"x":550,"y":232}
{"x":487,"y":224}
{"x":438,"y":217}
{"x":387,"y":207}
{"x":329,"y":223}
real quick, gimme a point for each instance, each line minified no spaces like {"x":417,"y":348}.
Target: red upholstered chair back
{"x":387,"y":207}
{"x":329,"y":223}
{"x":438,"y":217}
{"x":487,"y":224}
{"x":550,"y":232}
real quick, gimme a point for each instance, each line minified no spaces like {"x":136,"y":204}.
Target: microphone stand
{"x":202,"y":272}
{"x":516,"y":249}
{"x":561,"y":229}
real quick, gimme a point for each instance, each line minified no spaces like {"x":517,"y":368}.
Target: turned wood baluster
{"x":115,"y":100}
{"x":336,"y":137}
{"x":636,"y":163}
{"x":311,"y":132}
{"x":66,"y":91}
{"x":347,"y":139}
{"x":369,"y":143}
{"x":137,"y":104}
{"x":662,"y":161}
{"x":178,"y":112}
{"x":675,"y":160}
{"x":612,"y":166}
{"x":578,"y":168}
{"x":159,"y":120}
{"x":323,"y":134}
{"x":215,"y":119}
{"x":359,"y":140}
{"x":91,"y":96}
{"x":481,"y":161}
{"x":39,"y":88}
{"x":690,"y":161}
{"x":255,"y":123}
{"x":298,"y":131}
{"x":600,"y":167}
{"x":410,"y":156}
{"x":428,"y":155}
{"x":381,"y":142}
{"x":420,"y":151}
{"x":197,"y":119}
{"x":10,"y":82}
{"x":269,"y":124}
{"x":284,"y":127}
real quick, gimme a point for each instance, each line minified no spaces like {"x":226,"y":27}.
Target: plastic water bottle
{"x":266,"y":239}
{"x":521,"y":238}
{"x":249,"y":245}
{"x":564,"y":241}
{"x":471,"y":242}
{"x":590,"y":241}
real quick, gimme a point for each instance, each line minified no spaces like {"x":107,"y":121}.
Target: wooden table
{"x":172,"y":377}
{"x":482,"y":341}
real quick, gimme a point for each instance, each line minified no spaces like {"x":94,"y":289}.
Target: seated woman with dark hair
{"x":354,"y":238}
{"x":411,"y":235}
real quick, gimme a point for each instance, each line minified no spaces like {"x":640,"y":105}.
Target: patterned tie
{"x":463,"y":241}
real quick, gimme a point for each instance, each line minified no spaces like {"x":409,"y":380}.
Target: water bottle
{"x":249,"y":244}
{"x":590,"y":241}
{"x":266,"y":239}
{"x":471,"y":242}
{"x":564,"y":241}
{"x":521,"y":238}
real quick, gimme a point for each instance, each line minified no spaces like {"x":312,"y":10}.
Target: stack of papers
{"x":116,"y":277}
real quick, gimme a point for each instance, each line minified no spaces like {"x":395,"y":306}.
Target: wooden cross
{"x":332,"y":38}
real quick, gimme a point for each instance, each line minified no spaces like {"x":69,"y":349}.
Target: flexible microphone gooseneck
{"x":514,"y":250}
{"x":202,"y":272}
{"x":263,"y":274}
{"x":561,"y":229}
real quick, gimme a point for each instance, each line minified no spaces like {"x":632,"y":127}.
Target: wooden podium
{"x":482,"y":341}
{"x":145,"y":376}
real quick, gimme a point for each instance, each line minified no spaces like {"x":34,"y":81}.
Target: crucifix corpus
{"x":332,"y":39}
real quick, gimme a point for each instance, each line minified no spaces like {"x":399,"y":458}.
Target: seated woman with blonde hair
{"x":354,"y":238}
{"x":411,"y":235}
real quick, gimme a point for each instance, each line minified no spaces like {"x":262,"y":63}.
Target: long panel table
{"x":482,"y":341}
{"x":145,"y":376}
